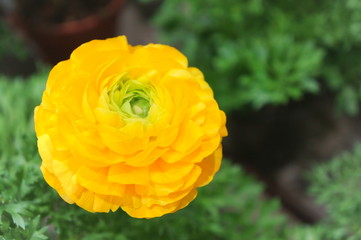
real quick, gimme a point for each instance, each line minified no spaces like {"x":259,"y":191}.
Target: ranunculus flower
{"x":129,"y":127}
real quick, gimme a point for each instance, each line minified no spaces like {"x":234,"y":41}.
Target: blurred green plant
{"x":20,"y":183}
{"x":336,"y":185}
{"x":259,"y":52}
{"x":10,"y":44}
{"x":245,"y":48}
{"x":231,"y":206}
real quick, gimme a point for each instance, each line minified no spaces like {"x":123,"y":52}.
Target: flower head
{"x":129,"y":127}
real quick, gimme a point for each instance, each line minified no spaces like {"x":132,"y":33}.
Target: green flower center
{"x":140,"y":106}
{"x":131,"y":98}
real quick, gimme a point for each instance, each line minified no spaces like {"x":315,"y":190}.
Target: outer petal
{"x":158,"y":57}
{"x":210,"y":165}
{"x":157,"y":210}
{"x":86,"y":51}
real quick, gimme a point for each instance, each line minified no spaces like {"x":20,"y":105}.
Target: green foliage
{"x":230,"y":207}
{"x":259,"y":52}
{"x":335,"y":26}
{"x":264,"y":72}
{"x":336,"y":185}
{"x":20,"y":182}
{"x":245,"y":48}
{"x":10,"y":44}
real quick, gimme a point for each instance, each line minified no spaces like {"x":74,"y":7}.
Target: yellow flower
{"x":129,"y":127}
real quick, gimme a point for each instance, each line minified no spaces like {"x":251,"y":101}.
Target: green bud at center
{"x":140,"y":106}
{"x":131,"y":98}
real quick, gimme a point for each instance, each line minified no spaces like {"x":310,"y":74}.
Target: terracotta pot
{"x":55,"y":42}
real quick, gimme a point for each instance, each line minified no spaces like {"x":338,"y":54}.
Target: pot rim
{"x":72,"y":26}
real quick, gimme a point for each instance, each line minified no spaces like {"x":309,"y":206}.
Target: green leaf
{"x":18,"y":220}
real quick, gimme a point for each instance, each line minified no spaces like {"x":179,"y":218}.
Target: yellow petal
{"x":125,"y":174}
{"x":162,"y":172}
{"x":45,"y":150}
{"x":157,"y":210}
{"x":210,"y":166}
{"x":166,"y":189}
{"x":111,"y":45}
{"x":126,"y":140}
{"x":95,"y":180}
{"x":54,"y":183}
{"x":158,"y":57}
{"x":189,"y":137}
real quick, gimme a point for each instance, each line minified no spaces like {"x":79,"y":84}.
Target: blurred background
{"x":287,"y":74}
